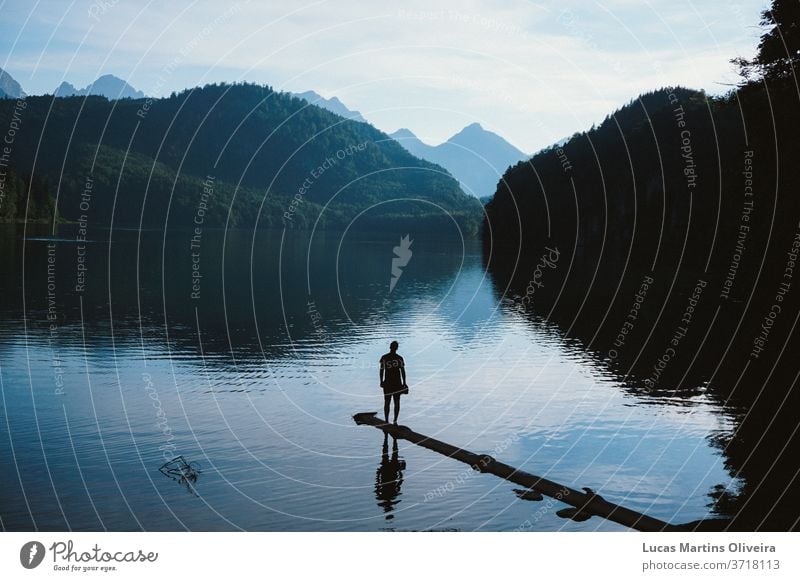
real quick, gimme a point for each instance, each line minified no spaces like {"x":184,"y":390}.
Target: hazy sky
{"x":532,"y":71}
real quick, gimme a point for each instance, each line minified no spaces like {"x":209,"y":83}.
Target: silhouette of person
{"x":389,"y":477}
{"x":393,"y":380}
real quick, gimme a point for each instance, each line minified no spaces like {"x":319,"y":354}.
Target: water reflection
{"x":389,"y":477}
{"x":671,"y":343}
{"x":258,"y":377}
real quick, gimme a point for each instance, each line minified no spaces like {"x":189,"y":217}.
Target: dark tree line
{"x":25,"y":198}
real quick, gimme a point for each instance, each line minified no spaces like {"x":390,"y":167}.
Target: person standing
{"x":393,"y":380}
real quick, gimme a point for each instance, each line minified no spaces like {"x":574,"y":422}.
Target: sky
{"x":534,"y":72}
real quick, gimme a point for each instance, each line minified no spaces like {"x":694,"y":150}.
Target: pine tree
{"x":779,"y":48}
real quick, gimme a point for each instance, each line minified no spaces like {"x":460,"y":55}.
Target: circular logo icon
{"x":31,"y":554}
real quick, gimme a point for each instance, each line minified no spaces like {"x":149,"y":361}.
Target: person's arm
{"x":403,"y":370}
{"x":381,"y":372}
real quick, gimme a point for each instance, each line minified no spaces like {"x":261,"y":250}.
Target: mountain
{"x":334,"y":105}
{"x":108,"y":86}
{"x":9,"y":87}
{"x":66,"y":89}
{"x":476,"y":157}
{"x":242,"y":154}
{"x":414,"y":144}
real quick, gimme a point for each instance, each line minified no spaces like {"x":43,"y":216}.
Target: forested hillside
{"x":271,"y":159}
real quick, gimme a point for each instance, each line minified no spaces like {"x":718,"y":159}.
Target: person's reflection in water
{"x":389,"y":477}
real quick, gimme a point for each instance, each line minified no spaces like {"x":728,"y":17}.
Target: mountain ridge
{"x":476,"y":157}
{"x":108,"y":86}
{"x":334,"y":105}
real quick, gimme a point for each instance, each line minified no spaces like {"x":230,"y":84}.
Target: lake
{"x":248,"y":353}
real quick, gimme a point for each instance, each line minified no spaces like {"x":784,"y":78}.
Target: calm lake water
{"x":255,"y":377}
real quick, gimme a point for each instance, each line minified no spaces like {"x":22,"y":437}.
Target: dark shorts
{"x":390,"y":390}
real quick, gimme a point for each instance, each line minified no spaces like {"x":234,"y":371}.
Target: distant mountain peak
{"x":403,"y":133}
{"x":108,"y":86}
{"x":474,"y":156}
{"x":9,"y":87}
{"x":113,"y":88}
{"x":65,"y":89}
{"x":475,"y":131}
{"x":472,"y":130}
{"x":334,"y":105}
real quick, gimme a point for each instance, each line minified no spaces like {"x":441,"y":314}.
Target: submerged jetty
{"x":586,"y":503}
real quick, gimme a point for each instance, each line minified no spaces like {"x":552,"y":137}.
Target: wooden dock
{"x":586,"y":503}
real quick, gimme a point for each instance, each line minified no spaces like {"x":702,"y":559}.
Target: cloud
{"x":533,"y":72}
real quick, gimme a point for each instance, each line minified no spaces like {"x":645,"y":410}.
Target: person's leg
{"x":386,"y":400}
{"x":396,"y":407}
